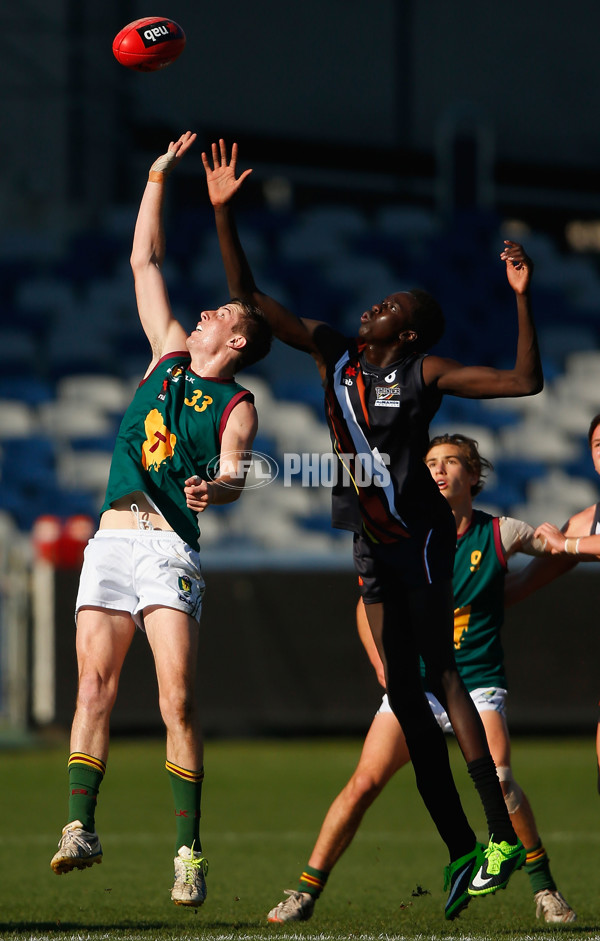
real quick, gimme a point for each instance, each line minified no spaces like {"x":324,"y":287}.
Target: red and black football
{"x":148,"y":44}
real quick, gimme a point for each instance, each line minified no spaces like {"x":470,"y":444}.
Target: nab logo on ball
{"x":148,"y":44}
{"x":162,"y":32}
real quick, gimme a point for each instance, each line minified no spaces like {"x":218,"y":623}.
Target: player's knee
{"x":513,"y":795}
{"x":96,"y":694}
{"x":177,"y":709}
{"x":364,"y":787}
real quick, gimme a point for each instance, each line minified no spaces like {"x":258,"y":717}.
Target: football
{"x":148,"y":44}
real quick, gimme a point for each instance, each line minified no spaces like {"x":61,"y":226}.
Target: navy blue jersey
{"x":379,"y":421}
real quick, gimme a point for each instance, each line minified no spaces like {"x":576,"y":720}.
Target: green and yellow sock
{"x":85,"y":778}
{"x":537,"y":867}
{"x":312,"y":881}
{"x":187,"y":793}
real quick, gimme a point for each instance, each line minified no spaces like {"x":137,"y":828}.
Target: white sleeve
{"x":517,"y":536}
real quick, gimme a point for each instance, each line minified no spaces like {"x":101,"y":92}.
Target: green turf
{"x":262,"y":806}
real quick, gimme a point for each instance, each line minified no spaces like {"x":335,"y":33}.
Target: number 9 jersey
{"x":480,"y":565}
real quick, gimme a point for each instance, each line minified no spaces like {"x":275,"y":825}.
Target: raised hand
{"x":519,"y":267}
{"x":220,"y":177}
{"x":167,"y":162}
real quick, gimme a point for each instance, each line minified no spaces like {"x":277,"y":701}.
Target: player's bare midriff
{"x":121,"y":516}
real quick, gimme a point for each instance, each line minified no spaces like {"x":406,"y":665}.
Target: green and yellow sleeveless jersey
{"x":171,"y":431}
{"x":480,"y":564}
{"x":478,"y":582}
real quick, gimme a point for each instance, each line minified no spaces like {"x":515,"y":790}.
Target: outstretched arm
{"x":564,"y":548}
{"x":310,"y":336}
{"x":518,"y":536}
{"x":562,"y":543}
{"x":478,"y":382}
{"x":539,"y":572}
{"x":164,"y":333}
{"x":574,"y":538}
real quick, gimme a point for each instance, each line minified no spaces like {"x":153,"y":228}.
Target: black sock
{"x":431,"y":765}
{"x":485,"y":779}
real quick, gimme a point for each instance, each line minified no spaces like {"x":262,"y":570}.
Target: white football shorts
{"x":492,"y":698}
{"x":130,"y":569}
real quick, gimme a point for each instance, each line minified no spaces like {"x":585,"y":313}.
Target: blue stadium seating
{"x":71,"y":309}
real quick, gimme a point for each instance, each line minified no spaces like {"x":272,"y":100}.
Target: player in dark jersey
{"x":381,"y":391}
{"x":181,"y":448}
{"x":484,"y":545}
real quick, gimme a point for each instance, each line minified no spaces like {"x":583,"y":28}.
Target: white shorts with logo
{"x":486,"y":698}
{"x":131,"y":569}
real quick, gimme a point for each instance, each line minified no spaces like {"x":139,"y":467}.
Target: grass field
{"x":263,"y":803}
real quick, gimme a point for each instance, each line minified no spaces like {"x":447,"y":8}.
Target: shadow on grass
{"x":546,"y":930}
{"x":35,"y":927}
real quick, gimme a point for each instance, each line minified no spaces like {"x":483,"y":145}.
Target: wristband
{"x":572,"y":546}
{"x":156,"y":176}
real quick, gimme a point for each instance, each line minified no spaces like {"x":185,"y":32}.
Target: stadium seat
{"x":327,"y":262}
{"x":557,"y":341}
{"x":84,"y":470}
{"x":538,"y":440}
{"x":32,"y":390}
{"x":68,"y":351}
{"x":17,"y":419}
{"x":107,"y":393}
{"x":557,"y":487}
{"x":485,"y":437}
{"x":66,"y":420}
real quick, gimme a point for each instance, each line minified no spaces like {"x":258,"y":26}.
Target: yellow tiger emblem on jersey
{"x":159,"y":445}
{"x":462,"y":616}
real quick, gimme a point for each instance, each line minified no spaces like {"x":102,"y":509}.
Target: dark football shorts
{"x":386,"y":569}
